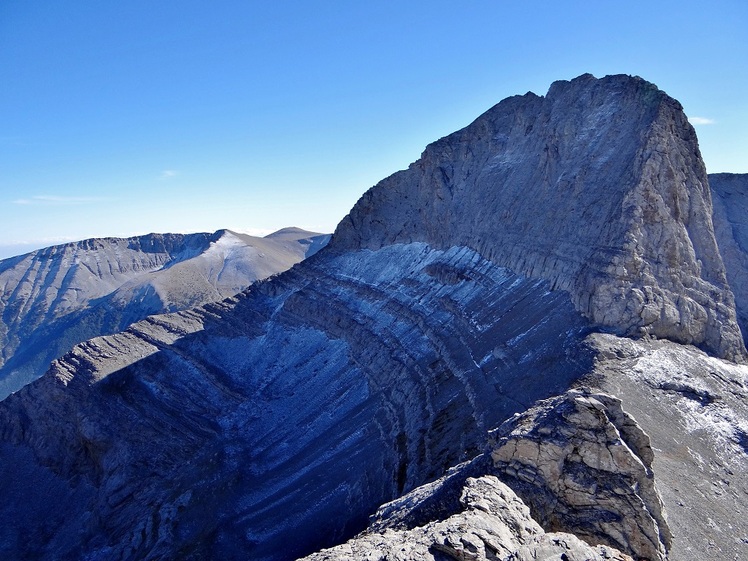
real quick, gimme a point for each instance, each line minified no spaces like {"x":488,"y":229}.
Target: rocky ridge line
{"x":580,"y":462}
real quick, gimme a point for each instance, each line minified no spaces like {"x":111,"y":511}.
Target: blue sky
{"x":123,"y":118}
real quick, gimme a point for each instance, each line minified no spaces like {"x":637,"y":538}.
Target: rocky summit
{"x":524,"y":346}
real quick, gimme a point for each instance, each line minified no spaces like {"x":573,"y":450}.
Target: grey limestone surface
{"x":558,"y":242}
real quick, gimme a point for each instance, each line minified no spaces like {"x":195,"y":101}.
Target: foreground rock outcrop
{"x":53,"y":298}
{"x":585,"y":466}
{"x":495,"y":525}
{"x":581,"y":463}
{"x":460,"y":292}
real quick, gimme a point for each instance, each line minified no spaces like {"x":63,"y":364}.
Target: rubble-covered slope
{"x":56,"y":297}
{"x":457,"y":293}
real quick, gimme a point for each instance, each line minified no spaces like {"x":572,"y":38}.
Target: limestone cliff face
{"x":275,"y":422}
{"x":597,"y":187}
{"x":730,"y":196}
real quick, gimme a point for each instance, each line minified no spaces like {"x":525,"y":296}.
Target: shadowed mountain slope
{"x":730,"y":195}
{"x":455,"y":295}
{"x":56,"y":297}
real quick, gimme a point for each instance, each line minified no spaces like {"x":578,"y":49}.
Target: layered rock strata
{"x":585,"y":466}
{"x":56,"y":297}
{"x":598,"y":187}
{"x":273,"y":423}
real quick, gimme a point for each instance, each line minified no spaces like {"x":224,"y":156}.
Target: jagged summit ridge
{"x":597,"y":187}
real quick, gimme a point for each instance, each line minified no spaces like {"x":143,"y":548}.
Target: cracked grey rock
{"x":492,"y":524}
{"x":584,"y":466}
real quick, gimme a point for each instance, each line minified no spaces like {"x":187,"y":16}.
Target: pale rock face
{"x":56,"y":297}
{"x":598,"y":187}
{"x":730,"y":196}
{"x":493,"y":525}
{"x":581,"y":463}
{"x":584,"y":466}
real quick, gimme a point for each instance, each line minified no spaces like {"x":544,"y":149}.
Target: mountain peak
{"x":598,"y":187}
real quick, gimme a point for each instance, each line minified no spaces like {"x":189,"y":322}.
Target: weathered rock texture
{"x":598,"y":187}
{"x":730,"y":196}
{"x":695,"y":410}
{"x":580,"y":462}
{"x":275,"y":422}
{"x":56,"y":297}
{"x":585,"y":466}
{"x":493,"y":525}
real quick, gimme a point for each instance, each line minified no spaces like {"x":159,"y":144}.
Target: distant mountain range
{"x":56,"y":297}
{"x":527,"y":345}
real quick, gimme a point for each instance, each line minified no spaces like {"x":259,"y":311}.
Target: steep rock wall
{"x":597,"y":187}
{"x":730,"y":196}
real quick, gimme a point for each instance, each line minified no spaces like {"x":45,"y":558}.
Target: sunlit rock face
{"x":730,"y":196}
{"x":598,"y":187}
{"x":456,"y":294}
{"x":53,"y":298}
{"x":491,"y":523}
{"x":577,"y":463}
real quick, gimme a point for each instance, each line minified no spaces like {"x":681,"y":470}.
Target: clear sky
{"x":127,"y":117}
